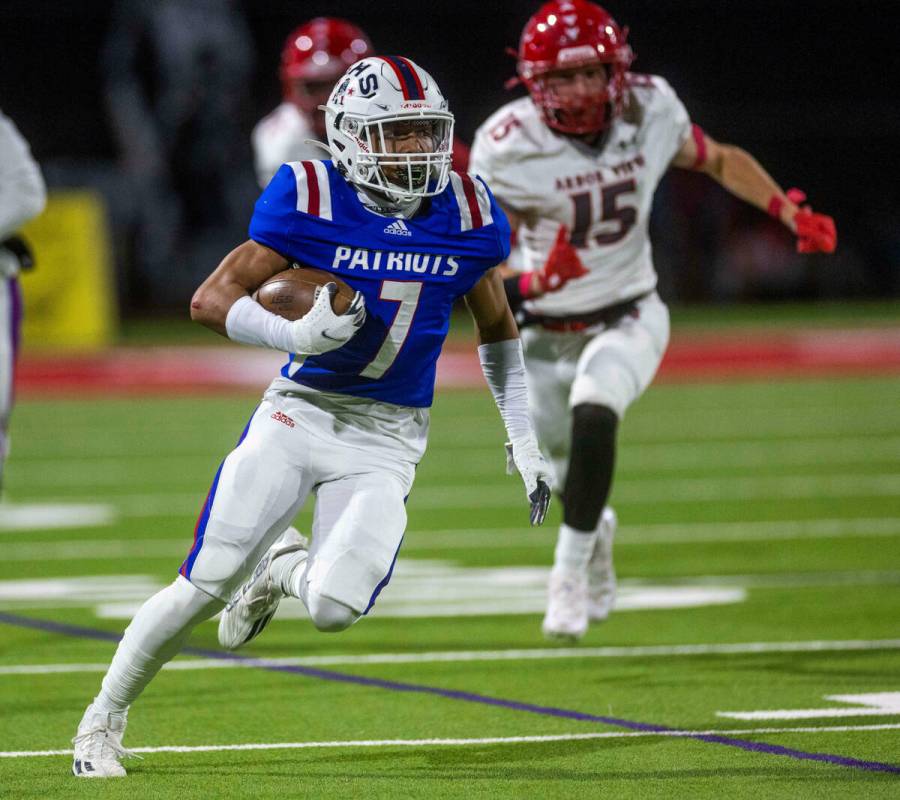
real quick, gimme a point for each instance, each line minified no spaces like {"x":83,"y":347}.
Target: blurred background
{"x":149,"y":104}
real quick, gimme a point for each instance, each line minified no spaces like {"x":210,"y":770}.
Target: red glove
{"x":816,"y":233}
{"x":562,"y":265}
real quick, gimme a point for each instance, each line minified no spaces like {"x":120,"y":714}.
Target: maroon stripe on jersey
{"x":472,"y":200}
{"x":312,"y":188}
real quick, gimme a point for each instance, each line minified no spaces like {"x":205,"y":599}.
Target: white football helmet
{"x":389,"y":129}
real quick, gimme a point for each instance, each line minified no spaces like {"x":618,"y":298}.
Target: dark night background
{"x":809,"y":88}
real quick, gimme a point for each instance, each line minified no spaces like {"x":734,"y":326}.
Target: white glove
{"x":320,"y":330}
{"x":9,"y":264}
{"x":525,"y":457}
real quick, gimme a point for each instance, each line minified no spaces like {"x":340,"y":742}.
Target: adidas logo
{"x":280,"y":416}
{"x":398,"y":228}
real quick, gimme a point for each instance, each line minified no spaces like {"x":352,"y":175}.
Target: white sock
{"x":287,"y":571}
{"x":155,"y":635}
{"x":573,"y":549}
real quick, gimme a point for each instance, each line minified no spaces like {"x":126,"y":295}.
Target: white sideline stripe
{"x":537,"y":654}
{"x":559,"y":737}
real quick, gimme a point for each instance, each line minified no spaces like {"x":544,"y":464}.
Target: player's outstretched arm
{"x":500,"y":352}
{"x":223,"y":303}
{"x":741,"y":174}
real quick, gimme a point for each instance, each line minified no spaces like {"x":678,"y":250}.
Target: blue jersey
{"x":409,"y":270}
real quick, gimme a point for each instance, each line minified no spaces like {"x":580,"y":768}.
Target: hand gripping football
{"x":291,"y":293}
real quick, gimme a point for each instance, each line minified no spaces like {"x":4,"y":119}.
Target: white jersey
{"x":22,"y":190}
{"x":603,"y":196}
{"x":281,"y":137}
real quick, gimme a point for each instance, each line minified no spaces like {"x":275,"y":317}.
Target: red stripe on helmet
{"x":312,"y":188}
{"x":399,"y":76}
{"x":472,"y":200}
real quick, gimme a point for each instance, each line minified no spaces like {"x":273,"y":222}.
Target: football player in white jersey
{"x":22,"y":197}
{"x":313,"y":57}
{"x":575,"y":165}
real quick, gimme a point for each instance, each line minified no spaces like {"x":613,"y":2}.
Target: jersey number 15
{"x":610,"y":210}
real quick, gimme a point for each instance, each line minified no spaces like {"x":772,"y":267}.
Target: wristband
{"x":249,"y":323}
{"x":513,"y":295}
{"x":700,"y":142}
{"x":775,"y":206}
{"x":525,"y":285}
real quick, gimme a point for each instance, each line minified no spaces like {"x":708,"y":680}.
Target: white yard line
{"x":560,"y":737}
{"x":96,"y":550}
{"x":42,"y":516}
{"x":536,"y":654}
{"x":503,"y":493}
{"x":496,"y":538}
{"x":652,"y":491}
{"x":485,"y":460}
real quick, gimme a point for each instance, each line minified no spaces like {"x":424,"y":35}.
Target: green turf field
{"x":759,"y":524}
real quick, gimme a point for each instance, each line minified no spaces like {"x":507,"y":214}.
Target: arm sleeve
{"x":248,"y":322}
{"x":23,"y":193}
{"x":504,"y":370}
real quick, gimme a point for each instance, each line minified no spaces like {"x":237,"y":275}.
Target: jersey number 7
{"x":407,"y":294}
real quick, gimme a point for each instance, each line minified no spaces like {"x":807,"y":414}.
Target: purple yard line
{"x":469,"y":697}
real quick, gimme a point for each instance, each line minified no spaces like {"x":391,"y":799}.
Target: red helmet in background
{"x":567,"y":34}
{"x":320,"y":51}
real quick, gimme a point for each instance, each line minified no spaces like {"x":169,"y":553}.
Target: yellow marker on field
{"x":70,"y":295}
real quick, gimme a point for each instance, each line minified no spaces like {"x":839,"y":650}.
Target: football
{"x":291,"y":293}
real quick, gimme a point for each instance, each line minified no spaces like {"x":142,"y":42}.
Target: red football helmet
{"x":319,"y":52}
{"x":574,"y":34}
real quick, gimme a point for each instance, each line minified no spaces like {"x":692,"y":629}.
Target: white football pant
{"x":356,"y":456}
{"x":606,"y":366}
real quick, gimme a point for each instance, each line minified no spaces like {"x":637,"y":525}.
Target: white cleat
{"x":98,"y":745}
{"x":601,"y":573}
{"x":567,"y":606}
{"x":254,"y":604}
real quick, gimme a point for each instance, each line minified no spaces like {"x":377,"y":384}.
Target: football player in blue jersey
{"x":347,"y":418}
